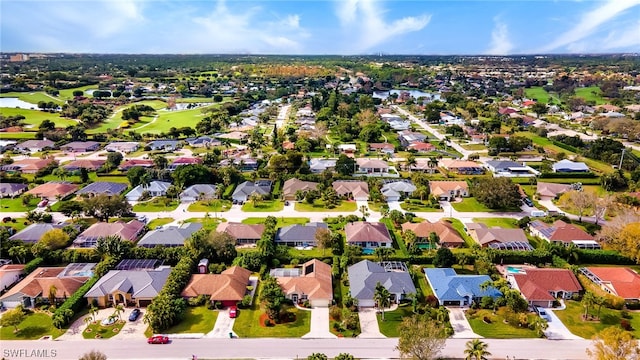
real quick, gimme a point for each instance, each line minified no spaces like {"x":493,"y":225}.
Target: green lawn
{"x":459,"y":226}
{"x":210,"y":206}
{"x":474,"y":147}
{"x":472,"y":205}
{"x":104,"y":332}
{"x":156,"y":205}
{"x":114,"y":121}
{"x":35,"y":117}
{"x":208,"y":223}
{"x":572,"y":318}
{"x":15,"y":205}
{"x":32,"y":97}
{"x":375,"y":206}
{"x":249,"y":325}
{"x":33,"y":327}
{"x":282,"y":221}
{"x":67,"y":94}
{"x":318,"y":205}
{"x":159,"y":222}
{"x":500,"y":222}
{"x":196,"y":320}
{"x":591,"y":93}
{"x":168,"y":119}
{"x":417,"y":205}
{"x":392,"y":319}
{"x":423,"y":285}
{"x":263,"y":206}
{"x":17,"y":135}
{"x":498,"y":329}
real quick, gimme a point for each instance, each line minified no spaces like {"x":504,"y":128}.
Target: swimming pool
{"x":367,"y":251}
{"x":515,"y":270}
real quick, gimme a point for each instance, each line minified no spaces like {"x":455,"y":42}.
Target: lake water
{"x":10,"y":102}
{"x":414,"y":93}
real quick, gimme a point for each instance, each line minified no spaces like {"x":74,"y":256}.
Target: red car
{"x":158,"y":339}
{"x":233,"y":312}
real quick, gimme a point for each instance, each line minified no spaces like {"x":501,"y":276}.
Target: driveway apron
{"x":319,"y":324}
{"x":369,"y":324}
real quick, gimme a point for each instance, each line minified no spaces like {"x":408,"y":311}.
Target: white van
{"x":538,"y":213}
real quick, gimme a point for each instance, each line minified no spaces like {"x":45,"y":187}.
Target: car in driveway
{"x":134,"y":315}
{"x":233,"y":312}
{"x":543,"y":313}
{"x":158,"y":339}
{"x":527,"y":202}
{"x":108,"y":321}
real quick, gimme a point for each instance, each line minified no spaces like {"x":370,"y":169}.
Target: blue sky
{"x":320,"y":27}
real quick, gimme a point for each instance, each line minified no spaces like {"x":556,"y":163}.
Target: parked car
{"x":134,"y":315}
{"x":108,"y":321}
{"x":286,"y":203}
{"x":158,"y":339}
{"x":233,"y":312}
{"x":43,"y":203}
{"x":527,"y":202}
{"x":543,"y":313}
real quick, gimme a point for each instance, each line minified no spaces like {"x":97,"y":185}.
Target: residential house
{"x":243,"y":233}
{"x":568,"y":166}
{"x":164,"y":145}
{"x":372,"y":167}
{"x":34,"y":146}
{"x":618,"y":281}
{"x":385,"y":148}
{"x":124,"y":147}
{"x":203,"y":141}
{"x":128,"y":164}
{"x":550,"y":191}
{"x":485,"y":236}
{"x":12,"y":190}
{"x":228,"y":287}
{"x":238,"y":136}
{"x":28,"y":166}
{"x":462,"y":167}
{"x":198,"y":192}
{"x":103,"y":187}
{"x":354,"y":189}
{"x":125,"y":231}
{"x":169,"y":236}
{"x":80,"y":146}
{"x":299,"y":235}
{"x":155,"y":188}
{"x":563,"y":233}
{"x":541,"y":287}
{"x":53,"y":190}
{"x":452,"y":289}
{"x":242,"y":163}
{"x":365,"y":275}
{"x":425,"y":165}
{"x":421,"y":147}
{"x":508,"y":168}
{"x":447,"y":235}
{"x":33,"y":233}
{"x":310,"y":282}
{"x":181,"y":161}
{"x":244,"y":191}
{"x":40,"y":283}
{"x":408,"y":137}
{"x":317,"y":166}
{"x":128,"y":287}
{"x":9,"y":275}
{"x":396,"y":190}
{"x":368,"y":235}
{"x":291,"y":187}
{"x":348,"y":149}
{"x":89,"y":164}
{"x":448,"y":190}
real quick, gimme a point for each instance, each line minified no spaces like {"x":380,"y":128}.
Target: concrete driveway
{"x":556,"y":329}
{"x":369,"y":324}
{"x":133,"y":329}
{"x":395,"y":205}
{"x":223,"y":326}
{"x":130,"y":330}
{"x":461,"y":327}
{"x":319,"y":324}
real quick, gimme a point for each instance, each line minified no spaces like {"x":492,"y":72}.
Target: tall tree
{"x":420,"y":338}
{"x":323,"y":239}
{"x":582,"y":201}
{"x":272,"y":297}
{"x":476,"y":349}
{"x":382,"y":297}
{"x":13,"y":318}
{"x":613,"y":343}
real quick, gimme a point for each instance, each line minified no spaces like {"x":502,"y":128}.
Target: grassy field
{"x":15,"y":205}
{"x":18,"y":135}
{"x":32,"y":97}
{"x":572,"y":318}
{"x":116,"y":120}
{"x":210,"y":206}
{"x":537,"y":93}
{"x":159,"y":222}
{"x":318,"y":205}
{"x":168,"y":119}
{"x":591,"y":93}
{"x":33,"y":327}
{"x":156,"y":205}
{"x":497,"y":329}
{"x":506,"y":223}
{"x":392,"y":319}
{"x":248,"y":324}
{"x":196,"y":320}
{"x":423,"y":207}
{"x":67,"y":94}
{"x":263,"y":206}
{"x":282,"y":221}
{"x":472,"y":205}
{"x":105,"y":332}
{"x":35,"y":117}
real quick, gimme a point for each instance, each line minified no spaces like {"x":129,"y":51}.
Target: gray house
{"x":198,"y":192}
{"x":164,"y":145}
{"x":103,"y":187}
{"x":32,"y":233}
{"x":12,"y":190}
{"x":244,"y":190}
{"x":393,"y":275}
{"x":299,"y":235}
{"x":128,"y":287}
{"x":169,"y":236}
{"x":459,"y":290}
{"x":398,"y":189}
{"x":155,"y":188}
{"x":569,"y":166}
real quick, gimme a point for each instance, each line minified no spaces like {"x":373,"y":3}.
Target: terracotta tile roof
{"x":367,"y":231}
{"x":136,"y":162}
{"x":357,"y":188}
{"x":421,"y":146}
{"x":444,"y":187}
{"x":242,"y":231}
{"x":381,"y":146}
{"x":535,"y":284}
{"x":126,"y":231}
{"x":456,"y":164}
{"x":41,"y":279}
{"x":230,"y":285}
{"x":91,"y":164}
{"x":291,"y":186}
{"x":622,"y":280}
{"x":551,"y":189}
{"x":315,"y":281}
{"x":51,"y":190}
{"x":444,"y":230}
{"x":32,"y":164}
{"x":10,"y":268}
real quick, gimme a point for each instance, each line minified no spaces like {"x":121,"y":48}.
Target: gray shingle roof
{"x":33,"y":232}
{"x":244,"y":190}
{"x":305,"y":233}
{"x":139,"y":283}
{"x":101,"y":187}
{"x":364,"y":276}
{"x":193,"y":192}
{"x":170,"y":235}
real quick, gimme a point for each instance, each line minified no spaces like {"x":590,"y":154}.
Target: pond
{"x":11,"y":102}
{"x":413,"y":93}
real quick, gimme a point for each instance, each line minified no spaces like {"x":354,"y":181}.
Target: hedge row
{"x":603,"y":257}
{"x":76,"y":302}
{"x":569,"y":175}
{"x":32,"y":265}
{"x":565,"y":146}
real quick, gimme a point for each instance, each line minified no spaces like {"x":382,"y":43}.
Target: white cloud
{"x":500,"y":42}
{"x":588,"y":24}
{"x":365,"y":19}
{"x":627,"y":38}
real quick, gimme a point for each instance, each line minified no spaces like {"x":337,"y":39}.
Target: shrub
{"x":335,"y":313}
{"x":626,"y":324}
{"x":32,"y":265}
{"x":268,"y":323}
{"x":486,"y":320}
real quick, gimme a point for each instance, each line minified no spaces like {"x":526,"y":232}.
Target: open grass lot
{"x":115,"y":120}
{"x":314,"y":252}
{"x":500,"y":222}
{"x":263,"y":206}
{"x":248,"y":324}
{"x":282,"y":221}
{"x":210,"y":206}
{"x":417,"y":205}
{"x":155,"y":205}
{"x":104,"y":332}
{"x":67,"y":94}
{"x":591,"y":93}
{"x":168,"y":119}
{"x":473,"y":147}
{"x":375,"y":206}
{"x":392,"y":319}
{"x":32,"y":97}
{"x":35,"y":117}
{"x":539,"y":94}
{"x":18,"y":135}
{"x":196,"y":320}
{"x":498,"y":329}
{"x":318,"y":205}
{"x":208,"y":224}
{"x":33,"y":327}
{"x":159,"y":222}
{"x":572,"y":318}
{"x":472,"y":205}
{"x":15,"y":205}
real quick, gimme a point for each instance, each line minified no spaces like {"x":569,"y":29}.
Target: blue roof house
{"x":452,"y":289}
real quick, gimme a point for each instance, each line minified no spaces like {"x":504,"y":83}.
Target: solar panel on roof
{"x":138,"y":264}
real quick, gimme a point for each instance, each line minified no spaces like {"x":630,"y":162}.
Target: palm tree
{"x":364,"y":211}
{"x":382,"y":298}
{"x":53,"y":290}
{"x":476,"y":350}
{"x":588,"y":299}
{"x":255,"y":197}
{"x":94,"y":312}
{"x":119,"y":309}
{"x":87,"y":320}
{"x":433,"y":162}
